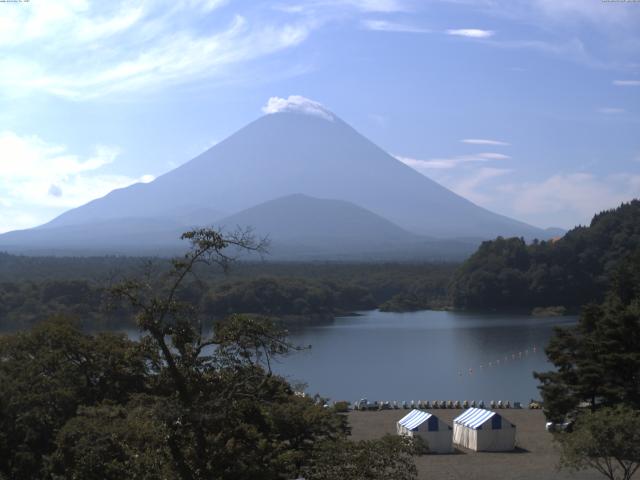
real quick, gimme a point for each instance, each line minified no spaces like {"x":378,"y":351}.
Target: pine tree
{"x":598,"y":361}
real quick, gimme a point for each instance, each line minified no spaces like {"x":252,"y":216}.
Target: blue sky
{"x":528,"y":108}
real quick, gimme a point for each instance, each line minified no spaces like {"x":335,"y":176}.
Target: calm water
{"x":423,"y":356}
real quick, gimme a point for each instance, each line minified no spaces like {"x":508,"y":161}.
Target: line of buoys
{"x":502,"y":361}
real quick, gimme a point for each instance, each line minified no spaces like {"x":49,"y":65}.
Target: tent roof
{"x":474,"y":417}
{"x":414,"y":419}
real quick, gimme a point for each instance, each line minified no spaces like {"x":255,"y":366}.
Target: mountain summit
{"x":293,"y":149}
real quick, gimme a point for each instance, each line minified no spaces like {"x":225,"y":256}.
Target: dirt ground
{"x":535,"y":458}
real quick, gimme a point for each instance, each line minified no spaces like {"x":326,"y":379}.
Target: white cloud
{"x":471,"y":33}
{"x":466,"y":175}
{"x":385,"y":26}
{"x":79,"y":50}
{"x":573,"y":195}
{"x":340,"y":9}
{"x":40,"y":179}
{"x":626,"y":83}
{"x":297,"y":104}
{"x":467,"y":187}
{"x":595,"y":12}
{"x":451,"y":162}
{"x":493,"y":156}
{"x":609,"y":29}
{"x":601,"y":14}
{"x":611,"y":110}
{"x":484,"y":141}
{"x":378,"y":5}
{"x":313,"y":6}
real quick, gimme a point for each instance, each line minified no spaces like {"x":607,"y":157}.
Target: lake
{"x":427,"y":355}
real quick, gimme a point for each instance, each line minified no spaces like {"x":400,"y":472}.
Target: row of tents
{"x":476,"y":429}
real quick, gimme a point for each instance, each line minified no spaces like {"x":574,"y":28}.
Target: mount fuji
{"x":310,"y":161}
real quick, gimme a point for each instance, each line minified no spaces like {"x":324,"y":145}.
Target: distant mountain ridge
{"x":275,"y":156}
{"x":338,"y":229}
{"x":287,"y":219}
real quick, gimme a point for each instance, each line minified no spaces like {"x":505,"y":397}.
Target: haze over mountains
{"x":309,"y":181}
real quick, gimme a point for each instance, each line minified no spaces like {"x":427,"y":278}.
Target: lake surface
{"x":425,"y":355}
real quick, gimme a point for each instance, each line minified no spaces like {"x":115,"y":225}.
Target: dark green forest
{"x":178,"y":403}
{"x":193,"y":403}
{"x":35,"y":288}
{"x":574,"y":270}
{"x":502,"y":274}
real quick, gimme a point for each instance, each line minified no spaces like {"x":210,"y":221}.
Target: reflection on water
{"x":424,"y":355}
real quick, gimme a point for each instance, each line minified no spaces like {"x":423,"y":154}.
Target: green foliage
{"x":112,"y":442}
{"x":46,"y":375}
{"x":572,"y":271}
{"x":598,"y":361}
{"x":607,"y":440}
{"x":383,"y":459}
{"x":179,"y":403}
{"x":284,"y":296}
{"x":341,"y":406}
{"x":80,"y":288}
{"x":186,"y":401}
{"x":101,"y":407}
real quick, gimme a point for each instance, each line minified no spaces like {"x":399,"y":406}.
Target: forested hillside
{"x":35,"y":288}
{"x":571,"y":271}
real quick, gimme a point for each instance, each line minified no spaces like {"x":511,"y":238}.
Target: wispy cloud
{"x":484,"y":141}
{"x":626,"y":83}
{"x":385,"y":26}
{"x":598,"y":14}
{"x":396,"y":27}
{"x":557,"y":200}
{"x":572,"y":195}
{"x":471,"y":33}
{"x":468,"y":185}
{"x":367,"y":6}
{"x":466,"y":175}
{"x":594,"y":33}
{"x":78,"y":50}
{"x":378,"y":5}
{"x":611,"y":110}
{"x":44,"y":176}
{"x":451,"y":162}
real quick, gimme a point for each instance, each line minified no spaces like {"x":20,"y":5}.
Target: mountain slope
{"x":302,"y":226}
{"x":127,"y":236}
{"x":286,"y":153}
{"x":277,"y":155}
{"x":300,"y":218}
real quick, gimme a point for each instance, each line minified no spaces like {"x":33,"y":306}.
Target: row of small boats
{"x":364,"y":404}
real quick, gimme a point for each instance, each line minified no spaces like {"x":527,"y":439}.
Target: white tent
{"x":436,"y":433}
{"x":484,"y":430}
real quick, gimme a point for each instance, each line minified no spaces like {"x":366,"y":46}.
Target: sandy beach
{"x":535,"y":458}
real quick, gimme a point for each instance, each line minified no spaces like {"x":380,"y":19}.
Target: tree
{"x":598,"y":361}
{"x":112,"y":442}
{"x":382,"y":459}
{"x":187,"y":401}
{"x":571,"y":271}
{"x":607,"y":440}
{"x":46,"y":374}
{"x":224,"y":413}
